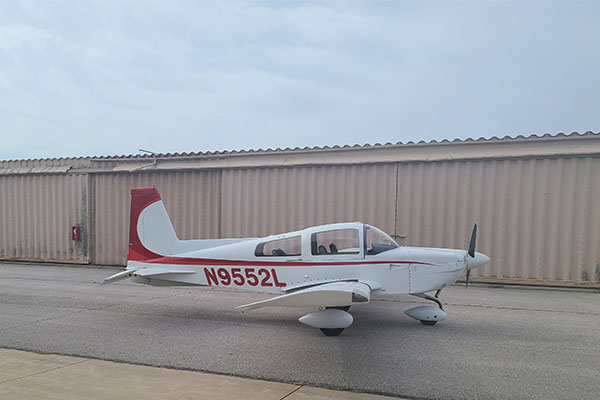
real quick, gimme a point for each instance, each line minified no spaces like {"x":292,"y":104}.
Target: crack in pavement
{"x":292,"y":392}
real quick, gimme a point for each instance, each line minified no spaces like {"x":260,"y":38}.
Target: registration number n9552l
{"x":242,"y":276}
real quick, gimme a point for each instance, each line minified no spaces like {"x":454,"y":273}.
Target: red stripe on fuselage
{"x":210,"y":261}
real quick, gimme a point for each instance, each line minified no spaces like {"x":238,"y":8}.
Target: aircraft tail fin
{"x":151,"y":233}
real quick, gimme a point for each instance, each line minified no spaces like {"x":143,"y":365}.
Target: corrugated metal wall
{"x":538,"y":216}
{"x":259,"y":202}
{"x":37,"y":214}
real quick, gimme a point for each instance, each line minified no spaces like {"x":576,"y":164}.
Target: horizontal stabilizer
{"x":153,"y":272}
{"x":336,"y":294}
{"x":144,"y":272}
{"x":118,"y":277}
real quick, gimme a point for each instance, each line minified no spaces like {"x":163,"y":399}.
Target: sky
{"x":93,"y":78}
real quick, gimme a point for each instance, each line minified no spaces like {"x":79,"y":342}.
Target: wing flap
{"x":335,"y":294}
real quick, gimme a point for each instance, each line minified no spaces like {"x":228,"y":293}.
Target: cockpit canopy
{"x":349,"y":239}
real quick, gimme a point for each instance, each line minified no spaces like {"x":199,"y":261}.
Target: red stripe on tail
{"x":140,"y":199}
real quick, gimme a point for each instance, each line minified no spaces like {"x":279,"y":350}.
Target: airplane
{"x":330,"y":267}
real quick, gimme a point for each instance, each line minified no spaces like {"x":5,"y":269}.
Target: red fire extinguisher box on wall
{"x":76,"y":233}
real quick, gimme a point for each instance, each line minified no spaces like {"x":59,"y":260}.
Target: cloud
{"x":90,"y":78}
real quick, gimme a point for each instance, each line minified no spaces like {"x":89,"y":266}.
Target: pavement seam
{"x":85,"y":310}
{"x":43,"y":372}
{"x":292,"y":392}
{"x":523,"y":309}
{"x":493,"y":307}
{"x":41,"y":320}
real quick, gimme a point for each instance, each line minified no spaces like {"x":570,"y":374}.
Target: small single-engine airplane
{"x":331,"y":267}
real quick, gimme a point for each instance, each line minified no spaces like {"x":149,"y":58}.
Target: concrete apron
{"x":27,"y":375}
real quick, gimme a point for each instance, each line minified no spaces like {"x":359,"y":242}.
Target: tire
{"x":332,"y":331}
{"x":428,"y":323}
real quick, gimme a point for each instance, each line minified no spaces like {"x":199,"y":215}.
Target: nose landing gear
{"x":431,"y":298}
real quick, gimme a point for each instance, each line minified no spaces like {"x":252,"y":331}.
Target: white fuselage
{"x":235,"y":265}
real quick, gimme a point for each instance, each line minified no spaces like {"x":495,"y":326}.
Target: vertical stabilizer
{"x":151,"y":233}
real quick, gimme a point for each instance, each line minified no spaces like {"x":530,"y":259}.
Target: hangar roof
{"x":536,"y":146}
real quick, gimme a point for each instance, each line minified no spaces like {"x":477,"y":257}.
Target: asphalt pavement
{"x":498,"y":343}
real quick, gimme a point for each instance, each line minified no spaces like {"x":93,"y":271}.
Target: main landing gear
{"x":334,"y":331}
{"x":331,"y":321}
{"x":428,"y":315}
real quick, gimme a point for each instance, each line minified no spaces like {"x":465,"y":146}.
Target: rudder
{"x":151,"y":233}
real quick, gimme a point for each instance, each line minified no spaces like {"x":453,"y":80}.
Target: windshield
{"x":377,"y":241}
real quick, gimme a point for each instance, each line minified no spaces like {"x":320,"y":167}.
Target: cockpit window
{"x":377,"y":241}
{"x":337,"y":241}
{"x":280,"y":247}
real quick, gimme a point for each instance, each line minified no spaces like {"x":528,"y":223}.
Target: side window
{"x":281,"y":247}
{"x":337,"y":241}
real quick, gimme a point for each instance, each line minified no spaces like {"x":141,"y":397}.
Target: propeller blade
{"x":472,"y":242}
{"x":467,"y":282}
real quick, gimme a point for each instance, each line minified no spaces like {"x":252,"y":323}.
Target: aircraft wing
{"x":332,"y":294}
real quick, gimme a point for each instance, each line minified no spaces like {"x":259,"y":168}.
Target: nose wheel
{"x":428,"y":315}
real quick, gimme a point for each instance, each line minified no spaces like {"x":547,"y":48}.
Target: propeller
{"x":467,"y":282}
{"x":472,"y":242}
{"x":471,"y":252}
